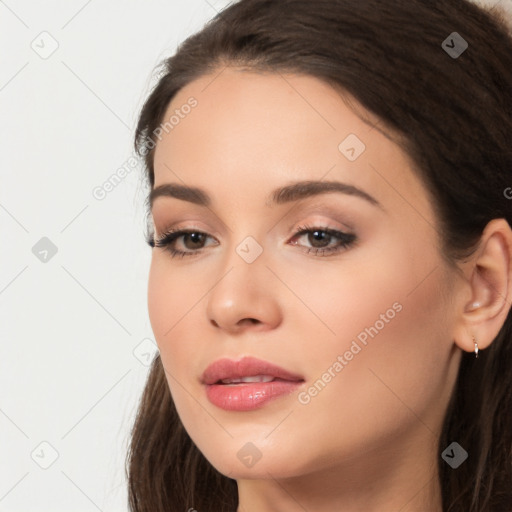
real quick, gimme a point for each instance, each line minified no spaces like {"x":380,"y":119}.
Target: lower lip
{"x":248,"y":396}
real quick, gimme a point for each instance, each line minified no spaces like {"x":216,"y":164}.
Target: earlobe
{"x":490,"y":281}
{"x":473,"y":306}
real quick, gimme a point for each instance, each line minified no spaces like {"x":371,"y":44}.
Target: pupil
{"x":321,"y":238}
{"x":196,"y":236}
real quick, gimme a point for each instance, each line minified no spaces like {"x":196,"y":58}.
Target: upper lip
{"x":245,"y":367}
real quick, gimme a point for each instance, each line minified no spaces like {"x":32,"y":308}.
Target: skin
{"x":368,"y":440}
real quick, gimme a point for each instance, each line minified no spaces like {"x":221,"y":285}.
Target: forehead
{"x":253,"y":132}
{"x":256,"y":111}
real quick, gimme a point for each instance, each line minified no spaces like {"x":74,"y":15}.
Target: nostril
{"x":247,"y":321}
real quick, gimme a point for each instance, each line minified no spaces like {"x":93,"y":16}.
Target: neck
{"x":403,"y":477}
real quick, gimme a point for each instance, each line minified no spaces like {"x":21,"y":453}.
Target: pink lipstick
{"x":247,"y":384}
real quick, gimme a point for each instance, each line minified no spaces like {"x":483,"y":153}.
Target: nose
{"x":245,"y":297}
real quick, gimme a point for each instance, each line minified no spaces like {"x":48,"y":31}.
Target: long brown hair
{"x":454,"y":115}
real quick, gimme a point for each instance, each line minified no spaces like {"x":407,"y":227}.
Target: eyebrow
{"x":286,"y":194}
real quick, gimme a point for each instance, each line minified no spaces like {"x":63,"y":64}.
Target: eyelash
{"x":169,"y":237}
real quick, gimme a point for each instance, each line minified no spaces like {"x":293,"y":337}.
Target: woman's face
{"x":366,"y":327}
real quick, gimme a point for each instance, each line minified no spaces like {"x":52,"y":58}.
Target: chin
{"x":247,"y":463}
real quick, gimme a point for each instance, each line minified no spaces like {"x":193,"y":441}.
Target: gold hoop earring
{"x":476,"y":347}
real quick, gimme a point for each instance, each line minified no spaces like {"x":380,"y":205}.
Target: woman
{"x":330,"y":284}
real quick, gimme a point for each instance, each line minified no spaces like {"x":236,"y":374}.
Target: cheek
{"x":159,"y":302}
{"x":391,"y":331}
{"x":170,"y":296}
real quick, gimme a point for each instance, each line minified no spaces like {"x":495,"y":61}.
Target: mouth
{"x":246,"y":370}
{"x":250,"y":380}
{"x":247,"y":384}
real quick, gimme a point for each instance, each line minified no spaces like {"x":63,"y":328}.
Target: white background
{"x":69,"y":326}
{"x":75,"y":338}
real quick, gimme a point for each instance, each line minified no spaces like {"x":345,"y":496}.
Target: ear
{"x":486,"y":304}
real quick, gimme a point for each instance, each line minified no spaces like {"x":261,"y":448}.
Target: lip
{"x":250,"y":395}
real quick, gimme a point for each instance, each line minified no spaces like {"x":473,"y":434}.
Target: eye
{"x":321,"y":239}
{"x":192,"y":239}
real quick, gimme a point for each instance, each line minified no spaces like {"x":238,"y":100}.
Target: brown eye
{"x":195,"y":238}
{"x":320,"y":238}
{"x":193,"y":242}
